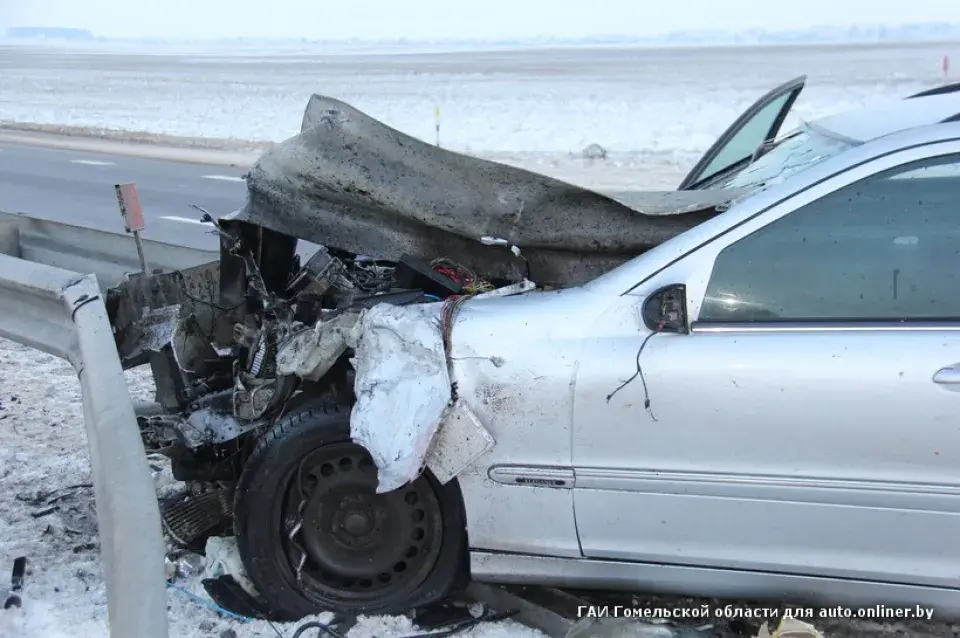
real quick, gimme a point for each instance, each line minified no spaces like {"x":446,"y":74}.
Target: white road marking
{"x":92,"y":162}
{"x":224,"y":178}
{"x":185,"y":220}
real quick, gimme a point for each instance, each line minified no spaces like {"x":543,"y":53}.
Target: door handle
{"x":947,"y":376}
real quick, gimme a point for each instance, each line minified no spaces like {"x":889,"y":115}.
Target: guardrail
{"x":58,"y":310}
{"x":107,"y":255}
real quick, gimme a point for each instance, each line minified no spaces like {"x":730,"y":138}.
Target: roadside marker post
{"x":436,"y":116}
{"x":132,"y":214}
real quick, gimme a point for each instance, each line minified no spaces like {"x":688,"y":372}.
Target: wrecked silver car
{"x":444,"y":387}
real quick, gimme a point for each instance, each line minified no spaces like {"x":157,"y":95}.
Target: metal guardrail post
{"x":62,"y":313}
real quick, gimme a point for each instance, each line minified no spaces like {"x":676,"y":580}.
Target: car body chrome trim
{"x":533,"y":476}
{"x":698,"y":327}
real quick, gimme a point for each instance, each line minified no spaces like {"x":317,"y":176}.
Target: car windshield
{"x":804,"y":147}
{"x":801,"y":149}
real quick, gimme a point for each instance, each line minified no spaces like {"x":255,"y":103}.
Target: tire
{"x":365,"y":553}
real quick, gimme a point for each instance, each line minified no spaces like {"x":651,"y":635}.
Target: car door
{"x":808,"y":422}
{"x":757,"y":125}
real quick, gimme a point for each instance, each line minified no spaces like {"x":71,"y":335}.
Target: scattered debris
{"x":85,"y":547}
{"x":230,"y":596}
{"x":185,"y":565}
{"x":790,"y":628}
{"x":16,"y":583}
{"x":223,"y":559}
{"x":594,"y":152}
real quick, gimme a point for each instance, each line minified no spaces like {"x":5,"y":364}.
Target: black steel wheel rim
{"x":352,"y":543}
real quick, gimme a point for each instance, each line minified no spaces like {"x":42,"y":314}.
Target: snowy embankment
{"x":47,"y":514}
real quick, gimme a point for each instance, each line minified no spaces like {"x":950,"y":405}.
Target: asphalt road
{"x":77,"y":187}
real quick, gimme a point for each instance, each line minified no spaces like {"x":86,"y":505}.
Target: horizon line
{"x":869,"y":28}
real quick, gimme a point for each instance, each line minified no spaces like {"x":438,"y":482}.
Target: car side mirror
{"x":666,"y":310}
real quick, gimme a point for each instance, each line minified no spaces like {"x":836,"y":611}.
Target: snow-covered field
{"x":655,"y":110}
{"x":649,"y":107}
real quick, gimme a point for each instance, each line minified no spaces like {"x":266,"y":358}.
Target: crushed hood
{"x":348,"y":181}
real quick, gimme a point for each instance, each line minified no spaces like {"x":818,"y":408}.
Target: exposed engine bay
{"x":235,"y":345}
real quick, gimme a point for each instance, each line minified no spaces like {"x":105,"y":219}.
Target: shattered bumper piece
{"x":460,"y":440}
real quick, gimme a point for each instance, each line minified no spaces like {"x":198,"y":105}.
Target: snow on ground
{"x":44,"y":463}
{"x":655,"y":110}
{"x":673,"y":102}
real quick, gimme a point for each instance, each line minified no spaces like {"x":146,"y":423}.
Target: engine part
{"x":373,"y":276}
{"x":212,"y":421}
{"x":191,"y":347}
{"x":257,"y":355}
{"x":315,"y":276}
{"x":415,"y":273}
{"x":252,"y":396}
{"x":244,"y":335}
{"x":160,"y":431}
{"x":209,"y":426}
{"x":310,"y":353}
{"x":261,"y":362}
{"x":323,"y":276}
{"x":189,"y":518}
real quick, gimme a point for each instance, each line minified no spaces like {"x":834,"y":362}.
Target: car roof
{"x":863,"y":125}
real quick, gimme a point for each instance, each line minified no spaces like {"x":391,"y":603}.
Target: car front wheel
{"x":314,"y":535}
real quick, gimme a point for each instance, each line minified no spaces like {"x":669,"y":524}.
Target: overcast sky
{"x":453,"y":18}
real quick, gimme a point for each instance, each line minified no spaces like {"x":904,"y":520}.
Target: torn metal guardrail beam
{"x":62,"y":313}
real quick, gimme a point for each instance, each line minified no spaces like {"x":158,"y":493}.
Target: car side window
{"x":885,"y":248}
